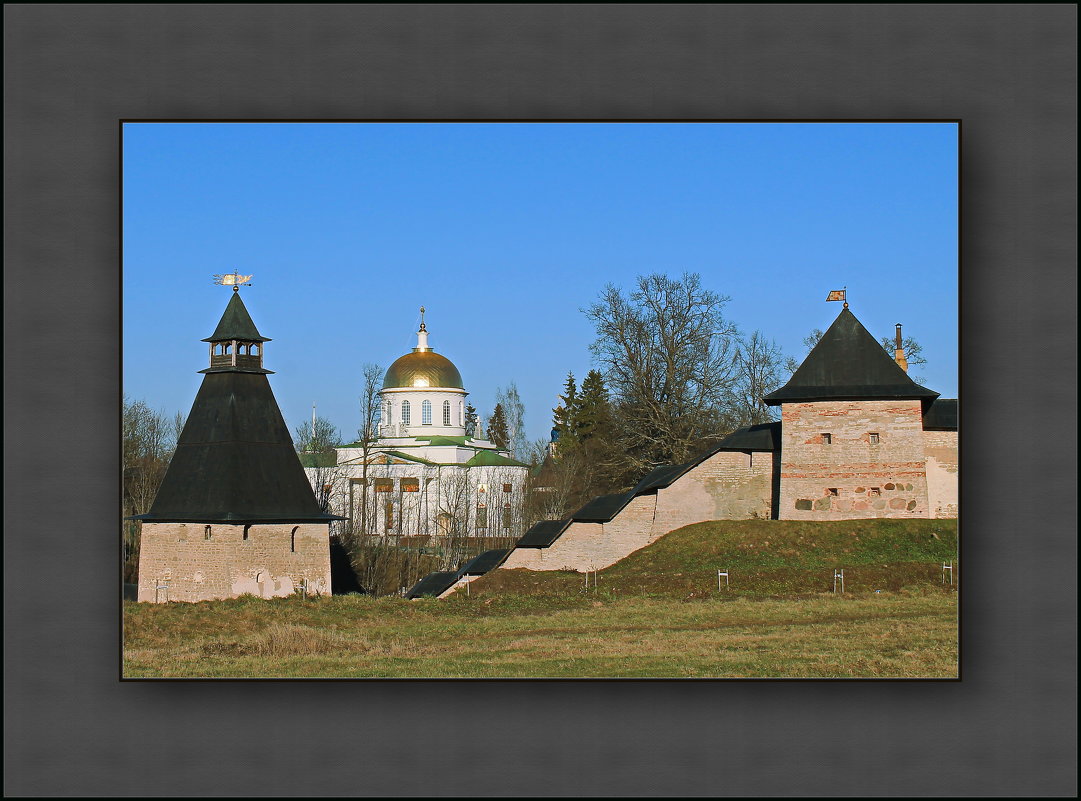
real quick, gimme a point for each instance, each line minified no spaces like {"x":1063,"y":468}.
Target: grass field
{"x":657,"y":613}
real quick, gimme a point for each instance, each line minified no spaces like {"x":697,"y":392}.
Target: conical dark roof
{"x":848,"y":364}
{"x":235,"y":462}
{"x":236,"y":323}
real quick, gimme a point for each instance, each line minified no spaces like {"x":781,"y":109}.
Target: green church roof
{"x":492,"y":459}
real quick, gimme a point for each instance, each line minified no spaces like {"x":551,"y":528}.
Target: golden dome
{"x":422,"y":368}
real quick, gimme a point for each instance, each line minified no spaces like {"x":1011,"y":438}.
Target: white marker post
{"x":839,"y":575}
{"x":719,"y":574}
{"x":947,"y":567}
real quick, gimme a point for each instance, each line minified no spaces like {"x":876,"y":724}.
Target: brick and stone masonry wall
{"x":592,"y":546}
{"x":730,"y":485}
{"x":940,"y":450}
{"x":727,"y":486}
{"x":883,"y":479}
{"x":227,"y":565}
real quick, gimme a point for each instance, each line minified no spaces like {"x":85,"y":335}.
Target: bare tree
{"x":359,"y":528}
{"x":667,"y":354}
{"x":760,"y":369}
{"x":316,"y":436}
{"x":514,"y":414}
{"x":148,"y":440}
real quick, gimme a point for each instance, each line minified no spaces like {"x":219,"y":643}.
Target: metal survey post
{"x":719,"y":574}
{"x":947,"y":567}
{"x":839,"y":577}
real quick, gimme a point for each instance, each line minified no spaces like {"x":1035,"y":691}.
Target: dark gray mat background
{"x":1008,"y":728}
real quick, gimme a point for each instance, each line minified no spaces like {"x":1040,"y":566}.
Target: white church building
{"x":425,"y":475}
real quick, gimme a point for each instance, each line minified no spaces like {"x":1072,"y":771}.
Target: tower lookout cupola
{"x":236,"y":344}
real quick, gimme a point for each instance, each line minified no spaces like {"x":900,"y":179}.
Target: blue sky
{"x":504,"y":231}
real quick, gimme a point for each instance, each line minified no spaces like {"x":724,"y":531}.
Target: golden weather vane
{"x":233,"y":279}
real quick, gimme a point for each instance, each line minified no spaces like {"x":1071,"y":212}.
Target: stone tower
{"x":852,"y":441}
{"x":235,"y":513}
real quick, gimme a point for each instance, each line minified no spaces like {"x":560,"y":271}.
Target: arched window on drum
{"x":426,"y":413}
{"x":446,"y":412}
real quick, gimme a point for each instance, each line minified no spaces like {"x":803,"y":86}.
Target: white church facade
{"x":426,"y":475}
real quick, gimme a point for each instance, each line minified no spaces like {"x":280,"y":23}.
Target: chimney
{"x":899,"y":351}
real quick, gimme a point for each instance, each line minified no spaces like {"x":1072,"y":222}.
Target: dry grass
{"x":656,"y":614}
{"x":889,"y":635}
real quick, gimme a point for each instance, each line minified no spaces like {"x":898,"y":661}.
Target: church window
{"x":482,"y":516}
{"x":446,"y":412}
{"x":384,"y":485}
{"x":247,"y":531}
{"x":507,"y":516}
{"x":461,"y":413}
{"x":405,"y":412}
{"x":426,"y":413}
{"x":827,"y":439}
{"x":255,"y":349}
{"x":293,"y":539}
{"x":410,"y":485}
{"x":832,"y":491}
{"x":208,"y":532}
{"x":388,"y":515}
{"x":872,"y":438}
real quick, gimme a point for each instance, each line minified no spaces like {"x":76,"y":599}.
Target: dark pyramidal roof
{"x":236,"y":323}
{"x":234,"y":461}
{"x":848,"y":364}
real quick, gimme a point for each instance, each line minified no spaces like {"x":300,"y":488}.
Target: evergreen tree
{"x":470,"y":420}
{"x":497,"y":428}
{"x":592,"y":414}
{"x":564,"y":415}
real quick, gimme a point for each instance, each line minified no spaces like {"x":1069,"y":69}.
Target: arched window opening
{"x":507,"y":516}
{"x":461,"y":413}
{"x":426,"y":413}
{"x":226,"y":349}
{"x":482,"y":516}
{"x":293,"y":539}
{"x":247,"y":530}
{"x":208,"y":532}
{"x":388,"y":515}
{"x":405,"y":412}
{"x":255,"y":349}
{"x":446,"y":412}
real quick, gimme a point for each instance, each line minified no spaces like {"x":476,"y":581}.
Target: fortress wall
{"x":227,"y":565}
{"x":884,"y":479}
{"x":940,"y":449}
{"x":730,"y":485}
{"x":592,"y":546}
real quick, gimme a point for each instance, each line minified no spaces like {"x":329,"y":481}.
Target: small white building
{"x":424,"y":476}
